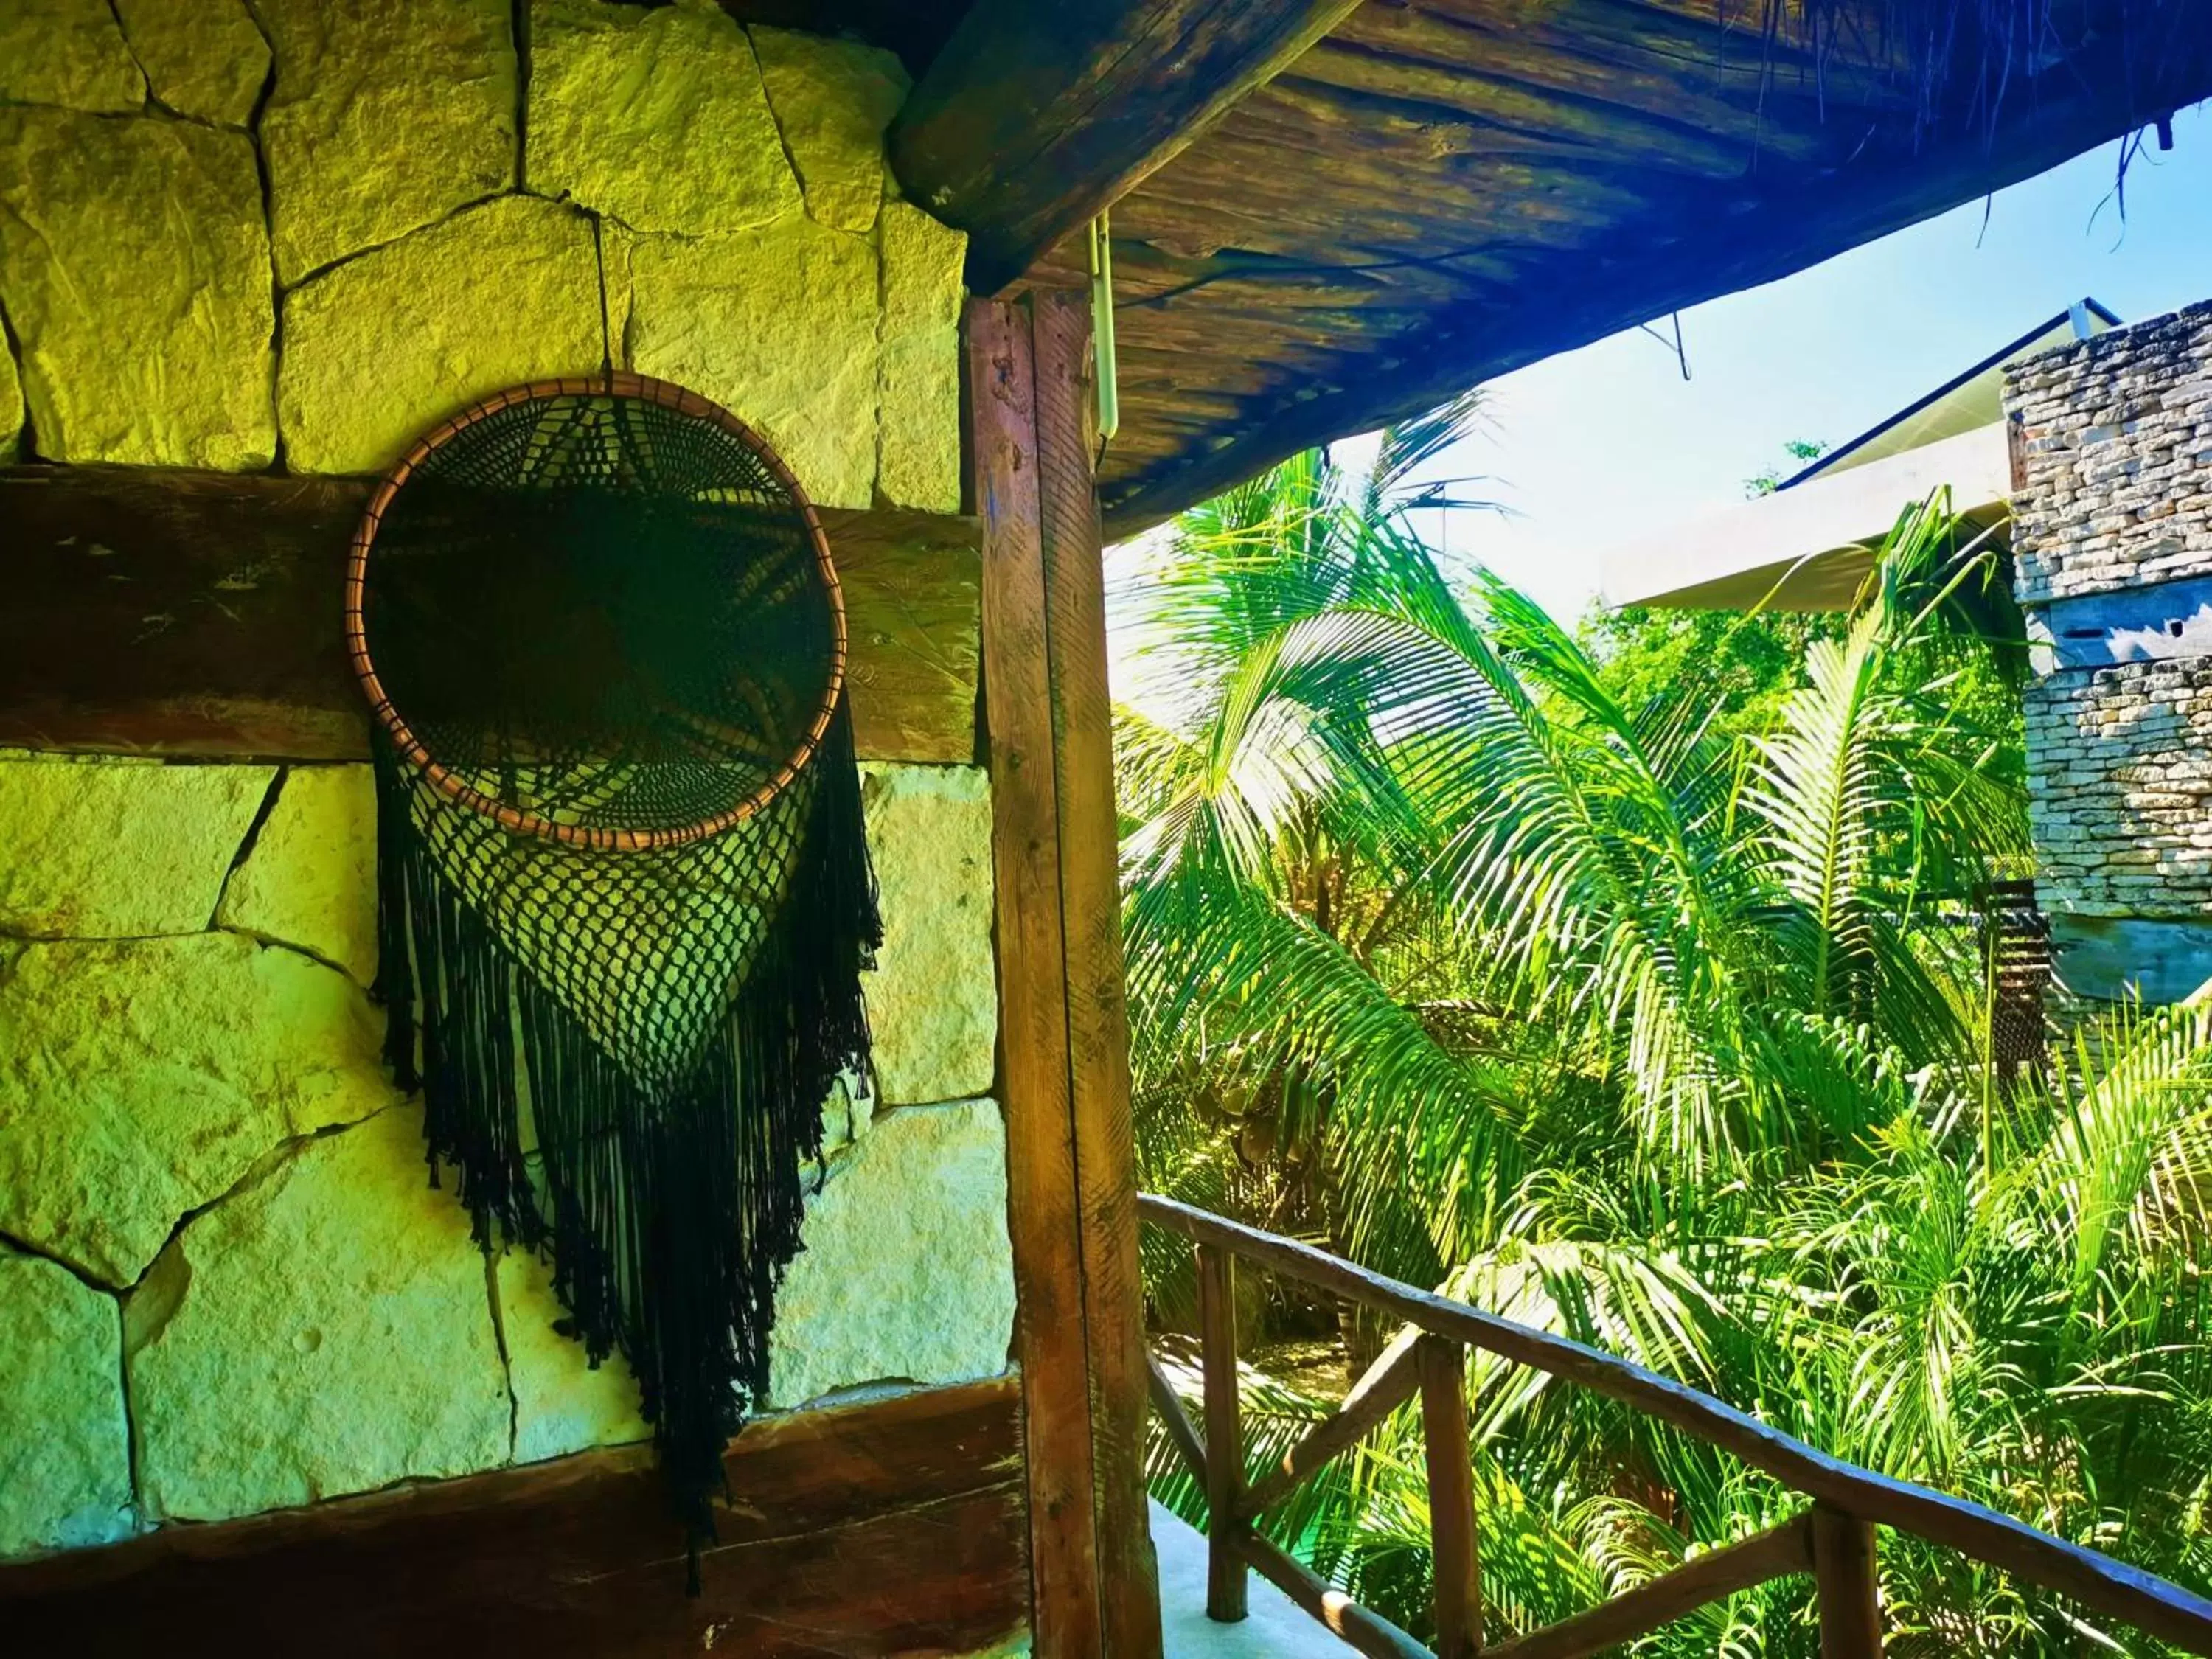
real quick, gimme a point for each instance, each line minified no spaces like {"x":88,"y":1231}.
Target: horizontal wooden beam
{"x":1774,"y":1554}
{"x":2110,"y":1587}
{"x":1034,"y":117}
{"x":892,"y":1527}
{"x":196,"y":615}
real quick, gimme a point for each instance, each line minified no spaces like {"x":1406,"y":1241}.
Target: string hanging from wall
{"x":624,"y":891}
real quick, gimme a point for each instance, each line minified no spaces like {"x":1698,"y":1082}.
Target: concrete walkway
{"x":1277,"y":1628}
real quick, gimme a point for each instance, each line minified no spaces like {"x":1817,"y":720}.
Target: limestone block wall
{"x":226,"y":1285}
{"x":298,"y":232}
{"x":293,"y":233}
{"x":2112,"y":544}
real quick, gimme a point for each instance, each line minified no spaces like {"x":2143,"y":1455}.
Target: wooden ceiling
{"x":1434,"y":192}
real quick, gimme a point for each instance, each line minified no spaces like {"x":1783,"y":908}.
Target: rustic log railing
{"x":1832,"y":1538}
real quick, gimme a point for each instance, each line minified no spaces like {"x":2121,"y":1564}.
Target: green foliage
{"x":1744,"y":663}
{"x":1741,"y":665}
{"x":1648,"y":1007}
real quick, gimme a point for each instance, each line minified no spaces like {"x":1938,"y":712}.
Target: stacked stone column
{"x":2112,"y":541}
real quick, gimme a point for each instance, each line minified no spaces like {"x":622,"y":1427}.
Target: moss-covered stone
{"x":560,"y":1404}
{"x":68,"y":53}
{"x":655,"y":117}
{"x":334,"y":1335}
{"x":933,"y":1001}
{"x":311,"y":878}
{"x":907,"y":1273}
{"x":205,"y":58}
{"x":387,"y":116}
{"x":918,"y":387}
{"x":388,"y":345}
{"x":120,"y":852}
{"x":134,"y":265}
{"x":833,"y":99}
{"x":64,"y":1446}
{"x":778,"y":325}
{"x":142,"y":1079}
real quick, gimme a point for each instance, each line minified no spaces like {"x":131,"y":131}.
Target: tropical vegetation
{"x":1658,"y":1016}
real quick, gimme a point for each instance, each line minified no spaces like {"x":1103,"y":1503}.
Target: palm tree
{"x":1659,"y":1033}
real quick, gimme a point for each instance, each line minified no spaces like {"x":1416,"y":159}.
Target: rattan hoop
{"x":620,"y":383}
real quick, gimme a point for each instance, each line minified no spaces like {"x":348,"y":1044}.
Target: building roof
{"x":1331,"y":213}
{"x":1809,"y":545}
{"x":1972,"y":397}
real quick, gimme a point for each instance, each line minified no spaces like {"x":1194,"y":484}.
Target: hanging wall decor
{"x":624,"y":893}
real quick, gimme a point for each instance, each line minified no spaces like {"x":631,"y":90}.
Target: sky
{"x":1594,"y":447}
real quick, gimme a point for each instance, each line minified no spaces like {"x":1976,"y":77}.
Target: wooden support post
{"x":1224,"y":1437}
{"x":1443,"y":1366}
{"x":1063,"y":1030}
{"x":1843,"y":1573}
{"x":1096,"y":998}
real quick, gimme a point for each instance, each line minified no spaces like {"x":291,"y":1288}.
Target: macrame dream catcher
{"x":624,"y":895}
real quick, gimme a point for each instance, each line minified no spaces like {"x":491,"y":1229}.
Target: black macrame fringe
{"x":669,"y":1217}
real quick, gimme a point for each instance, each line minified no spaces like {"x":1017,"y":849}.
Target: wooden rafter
{"x":1441,"y":191}
{"x":1034,"y":117}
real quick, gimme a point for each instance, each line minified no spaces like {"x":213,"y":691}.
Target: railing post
{"x":1224,"y":1437}
{"x":1844,"y":1574}
{"x":1443,"y":1368}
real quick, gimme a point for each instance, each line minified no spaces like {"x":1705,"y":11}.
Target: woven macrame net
{"x":624,"y":892}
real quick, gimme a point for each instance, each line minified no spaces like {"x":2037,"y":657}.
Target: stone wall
{"x":227,"y":1285}
{"x":2112,"y":544}
{"x":300,"y":232}
{"x":294,"y":234}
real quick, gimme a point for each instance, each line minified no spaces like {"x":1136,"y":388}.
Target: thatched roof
{"x":1434,"y":192}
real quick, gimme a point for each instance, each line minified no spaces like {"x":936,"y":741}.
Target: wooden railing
{"x":1832,"y":1538}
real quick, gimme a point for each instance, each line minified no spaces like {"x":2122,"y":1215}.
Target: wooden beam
{"x":1097,"y":1001}
{"x":892,"y":1528}
{"x":1063,"y":1037}
{"x":196,"y":614}
{"x":1689,"y":248}
{"x":1773,"y":1553}
{"x":1042,"y":1215}
{"x":1033,"y":117}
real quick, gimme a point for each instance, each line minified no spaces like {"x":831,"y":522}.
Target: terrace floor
{"x":1275,"y":1628}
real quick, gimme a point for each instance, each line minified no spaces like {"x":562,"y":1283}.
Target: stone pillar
{"x":2112,"y":541}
